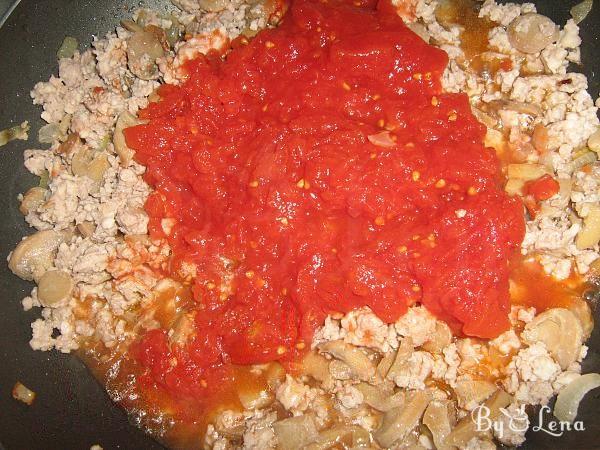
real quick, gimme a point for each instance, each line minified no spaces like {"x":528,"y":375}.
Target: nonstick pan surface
{"x":71,"y":410}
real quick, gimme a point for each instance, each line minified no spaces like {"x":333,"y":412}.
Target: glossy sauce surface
{"x":318,"y":169}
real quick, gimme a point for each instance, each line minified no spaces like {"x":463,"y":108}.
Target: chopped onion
{"x":48,"y":133}
{"x":68,"y":48}
{"x":581,"y":10}
{"x":581,"y":161}
{"x":382,"y":139}
{"x":569,"y":398}
{"x":16,"y":132}
{"x":23,"y":393}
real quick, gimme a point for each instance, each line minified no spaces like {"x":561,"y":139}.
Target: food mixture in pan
{"x":320,"y":223}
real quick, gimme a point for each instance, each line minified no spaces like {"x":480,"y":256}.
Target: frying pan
{"x":71,"y":410}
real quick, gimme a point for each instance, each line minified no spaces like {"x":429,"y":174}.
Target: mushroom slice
{"x":441,"y":338}
{"x":583,"y":312}
{"x":32,"y":199}
{"x":35,"y":254}
{"x":295,"y":432}
{"x":560,"y":331}
{"x":360,"y":364}
{"x":379,"y":398}
{"x":316,"y":366}
{"x":346,"y":436}
{"x":398,"y":422}
{"x":54,"y":288}
{"x":470,"y":393}
{"x":531,"y":33}
{"x":437,"y":419}
{"x":466,"y":429}
{"x":125,"y":120}
{"x":404,"y":350}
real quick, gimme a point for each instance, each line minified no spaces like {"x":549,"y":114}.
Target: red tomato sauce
{"x":319,"y":169}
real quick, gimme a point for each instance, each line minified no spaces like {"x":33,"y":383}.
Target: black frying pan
{"x":71,"y":410}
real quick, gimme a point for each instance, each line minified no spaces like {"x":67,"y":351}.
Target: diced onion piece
{"x":295,"y":432}
{"x":437,"y":419}
{"x":594,"y":141}
{"x":590,"y":233}
{"x":125,"y":120}
{"x":581,"y":161}
{"x":49,"y":133}
{"x":255,"y":398}
{"x":398,"y":422}
{"x":569,"y":398}
{"x":581,"y":10}
{"x":23,"y":394}
{"x":531,"y":33}
{"x":16,"y":132}
{"x":514,"y":186}
{"x":382,"y":139}
{"x":67,"y":48}
{"x":526,"y":172}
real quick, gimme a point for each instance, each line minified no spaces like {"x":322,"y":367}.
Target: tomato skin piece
{"x":543,"y":188}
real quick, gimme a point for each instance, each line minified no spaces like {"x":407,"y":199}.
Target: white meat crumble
{"x":365,"y":384}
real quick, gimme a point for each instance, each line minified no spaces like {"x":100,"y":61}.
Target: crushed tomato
{"x":285,"y":210}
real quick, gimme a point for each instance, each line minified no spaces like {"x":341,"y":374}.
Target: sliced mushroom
{"x":466,"y":429}
{"x":295,"y":432}
{"x":590,"y":233}
{"x":347,"y":436}
{"x":339,"y":370}
{"x":385,"y":364}
{"x":143,"y":49}
{"x":379,"y":398}
{"x":441,"y":338}
{"x":32,"y":199}
{"x":361,"y":365}
{"x":438,"y":419}
{"x":470,"y":393}
{"x":35,"y":254}
{"x":583,"y":312}
{"x":519,"y":107}
{"x":398,"y":422}
{"x":404,"y":351}
{"x":316,"y":366}
{"x":531,"y":33}
{"x":560,"y":331}
{"x":54,"y":288}
{"x":125,"y":120}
